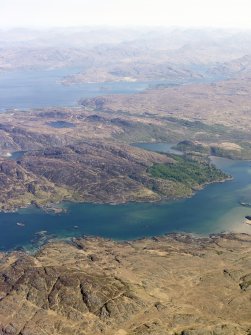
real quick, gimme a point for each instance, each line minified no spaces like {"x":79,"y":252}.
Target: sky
{"x":71,"y":13}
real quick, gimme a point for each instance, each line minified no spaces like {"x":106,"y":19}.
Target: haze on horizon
{"x":74,"y":13}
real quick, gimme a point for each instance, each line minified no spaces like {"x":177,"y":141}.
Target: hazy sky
{"x":48,"y":13}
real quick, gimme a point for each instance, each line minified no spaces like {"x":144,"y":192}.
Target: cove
{"x":214,"y":209}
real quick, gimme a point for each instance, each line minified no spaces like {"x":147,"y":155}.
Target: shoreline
{"x":190,"y":238}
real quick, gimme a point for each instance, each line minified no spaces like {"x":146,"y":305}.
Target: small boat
{"x":245,"y":204}
{"x":20,"y":224}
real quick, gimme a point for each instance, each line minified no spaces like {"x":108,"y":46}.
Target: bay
{"x":214,"y":209}
{"x":27,"y":89}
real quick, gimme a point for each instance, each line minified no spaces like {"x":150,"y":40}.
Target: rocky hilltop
{"x":176,"y":284}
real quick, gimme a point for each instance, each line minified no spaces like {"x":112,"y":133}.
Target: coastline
{"x":44,"y":240}
{"x":53,"y":208}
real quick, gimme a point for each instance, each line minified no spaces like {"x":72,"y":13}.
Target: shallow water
{"x":215,"y":209}
{"x":160,"y":147}
{"x":61,"y":124}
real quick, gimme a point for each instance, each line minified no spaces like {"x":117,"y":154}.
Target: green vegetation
{"x":198,"y":125}
{"x":203,"y":132}
{"x":187,"y":171}
{"x":140,"y":132}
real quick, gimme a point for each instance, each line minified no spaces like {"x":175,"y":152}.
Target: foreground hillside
{"x":175,"y":284}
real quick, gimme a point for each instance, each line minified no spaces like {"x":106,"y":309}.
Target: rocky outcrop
{"x":20,"y":187}
{"x":176,"y":284}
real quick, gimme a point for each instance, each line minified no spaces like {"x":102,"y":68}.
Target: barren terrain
{"x":174,"y":284}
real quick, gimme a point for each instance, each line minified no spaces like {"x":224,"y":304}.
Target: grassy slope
{"x":187,"y":172}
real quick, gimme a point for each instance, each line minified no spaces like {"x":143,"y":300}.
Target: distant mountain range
{"x":128,"y":54}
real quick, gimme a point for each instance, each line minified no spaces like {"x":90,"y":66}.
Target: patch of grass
{"x":187,"y":171}
{"x":140,"y":132}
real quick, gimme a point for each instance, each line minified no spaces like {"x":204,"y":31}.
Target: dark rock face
{"x":93,"y":170}
{"x":176,"y":284}
{"x":54,"y":114}
{"x":20,"y":187}
{"x":90,"y":171}
{"x":96,"y":118}
{"x":15,"y":139}
{"x":59,"y":298}
{"x":122,"y":123}
{"x":95,"y":103}
{"x":69,"y":294}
